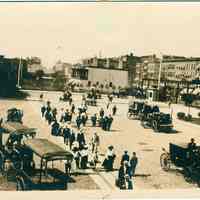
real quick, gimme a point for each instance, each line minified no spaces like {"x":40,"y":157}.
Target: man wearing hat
{"x":72,"y":138}
{"x":78,"y":121}
{"x":133,"y":164}
{"x":109,"y":121}
{"x":125,"y":157}
{"x":124,"y":175}
{"x":55,"y":128}
{"x":94,"y":120}
{"x":81,"y":138}
{"x":43,"y":109}
{"x":66,"y":133}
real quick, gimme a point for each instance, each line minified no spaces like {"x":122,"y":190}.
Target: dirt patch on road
{"x":143,"y":143}
{"x":5,"y":185}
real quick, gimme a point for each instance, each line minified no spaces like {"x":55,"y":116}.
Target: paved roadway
{"x":125,"y":135}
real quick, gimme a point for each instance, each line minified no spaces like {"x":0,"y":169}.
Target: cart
{"x":161,"y":122}
{"x":134,"y":109}
{"x":179,"y":156}
{"x":66,"y":96}
{"x":46,"y":176}
{"x":14,"y":115}
{"x":11,"y":144}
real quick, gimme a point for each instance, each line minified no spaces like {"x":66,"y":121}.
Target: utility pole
{"x":159,"y":75}
{"x":160,"y":70}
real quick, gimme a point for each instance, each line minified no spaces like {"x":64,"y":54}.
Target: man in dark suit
{"x":125,"y":157}
{"x":81,"y":139}
{"x":66,"y":134}
{"x":133,"y":164}
{"x":109,"y":121}
{"x":71,"y":139}
{"x":55,"y":128}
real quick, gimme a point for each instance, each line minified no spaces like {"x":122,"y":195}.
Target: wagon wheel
{"x":188,"y":175}
{"x":20,"y":184}
{"x":2,"y":162}
{"x":129,"y":115}
{"x":17,"y":164}
{"x":198,"y":183}
{"x":155,"y":126}
{"x":165,"y":161}
{"x":168,"y":129}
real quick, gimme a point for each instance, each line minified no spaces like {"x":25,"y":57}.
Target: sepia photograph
{"x":100,"y":98}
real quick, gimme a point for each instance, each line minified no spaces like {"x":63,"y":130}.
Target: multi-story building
{"x":98,"y":76}
{"x":63,"y":69}
{"x":124,"y":65}
{"x":34,"y":64}
{"x":172,"y":69}
{"x":181,"y":69}
{"x":147,"y":71}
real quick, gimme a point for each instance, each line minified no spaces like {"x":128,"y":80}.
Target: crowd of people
{"x":86,"y":153}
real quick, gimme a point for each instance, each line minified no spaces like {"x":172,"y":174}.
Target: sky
{"x":72,"y":31}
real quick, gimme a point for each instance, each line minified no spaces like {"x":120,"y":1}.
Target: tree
{"x":188,"y":100}
{"x":39,"y":74}
{"x":59,"y":81}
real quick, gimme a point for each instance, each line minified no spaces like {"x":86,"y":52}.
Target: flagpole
{"x":19,"y":72}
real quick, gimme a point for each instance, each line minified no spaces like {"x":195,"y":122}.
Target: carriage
{"x":66,"y":96}
{"x":14,"y":115}
{"x":151,"y":117}
{"x":135,"y":109}
{"x":91,"y":99}
{"x":11,"y":144}
{"x":160,"y":121}
{"x":181,"y":157}
{"x":123,"y":93}
{"x":46,"y":173}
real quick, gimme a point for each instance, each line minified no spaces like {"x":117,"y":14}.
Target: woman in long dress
{"x":109,"y":159}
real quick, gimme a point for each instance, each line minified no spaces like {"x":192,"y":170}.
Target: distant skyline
{"x":72,"y":31}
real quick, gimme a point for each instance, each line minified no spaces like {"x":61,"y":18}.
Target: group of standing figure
{"x":86,"y":155}
{"x":127,"y":171}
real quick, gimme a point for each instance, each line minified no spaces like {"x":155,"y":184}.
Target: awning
{"x":184,"y":91}
{"x":47,"y":149}
{"x":74,"y":81}
{"x":196,"y":91}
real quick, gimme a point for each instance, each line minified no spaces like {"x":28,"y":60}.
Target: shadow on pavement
{"x":142,"y":175}
{"x":114,"y":130}
{"x":104,"y":170}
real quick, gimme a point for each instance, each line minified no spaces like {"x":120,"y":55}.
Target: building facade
{"x":147,"y":71}
{"x":63,"y":69}
{"x":181,"y":69}
{"x":172,"y":69}
{"x":101,"y":76}
{"x":34,"y":64}
{"x":126,"y":63}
